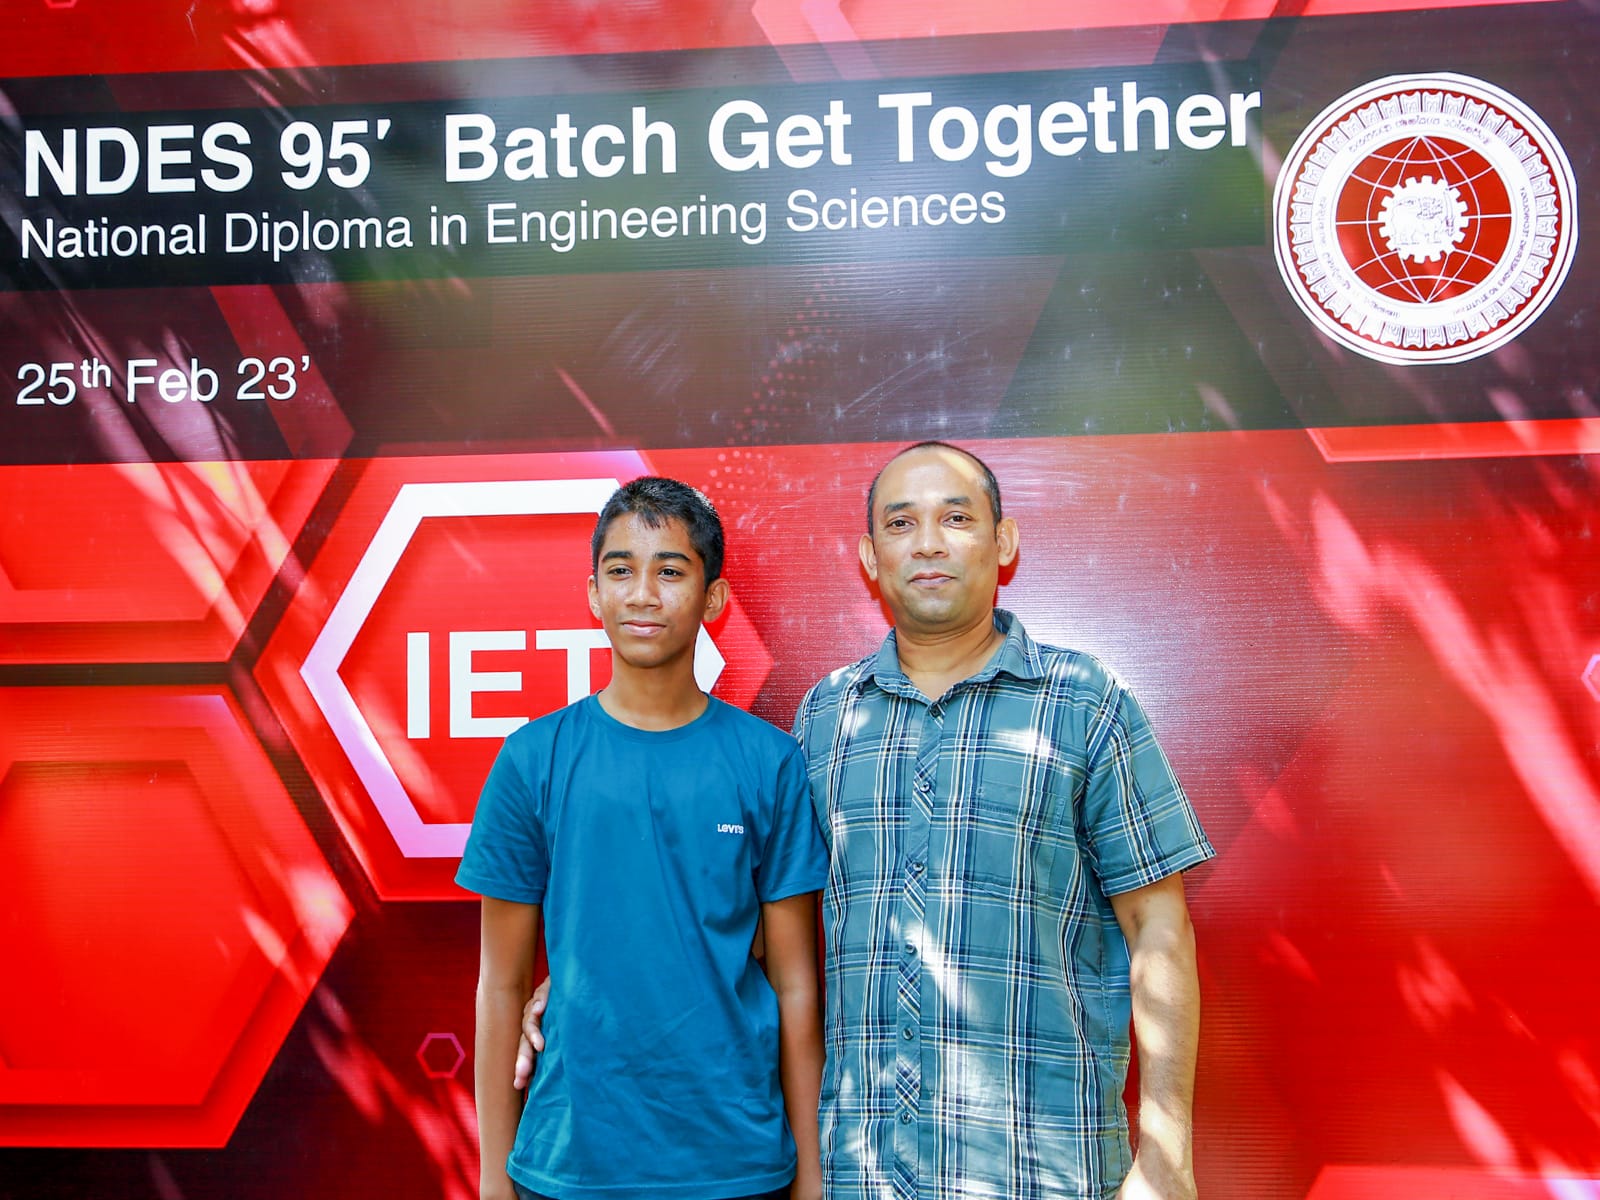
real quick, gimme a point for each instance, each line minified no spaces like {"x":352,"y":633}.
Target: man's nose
{"x":929,"y":539}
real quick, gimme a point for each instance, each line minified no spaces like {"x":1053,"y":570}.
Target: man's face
{"x":649,"y":591}
{"x":935,"y":550}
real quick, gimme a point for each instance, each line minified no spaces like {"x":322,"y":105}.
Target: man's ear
{"x":716,"y":599}
{"x":594,"y":598}
{"x":869,"y":556}
{"x":1010,"y":539}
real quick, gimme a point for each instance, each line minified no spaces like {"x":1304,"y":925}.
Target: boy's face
{"x":649,"y":591}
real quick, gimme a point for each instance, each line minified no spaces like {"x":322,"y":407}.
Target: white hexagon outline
{"x":413,"y":503}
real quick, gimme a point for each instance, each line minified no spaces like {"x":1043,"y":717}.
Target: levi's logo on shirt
{"x":723,"y":827}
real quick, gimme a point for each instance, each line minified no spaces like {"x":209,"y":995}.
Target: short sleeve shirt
{"x":651,"y":853}
{"x":977,"y":980}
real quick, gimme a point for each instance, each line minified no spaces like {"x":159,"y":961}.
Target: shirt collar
{"x":1018,"y":657}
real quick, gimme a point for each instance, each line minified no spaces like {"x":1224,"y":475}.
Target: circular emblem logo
{"x":1425,"y":218}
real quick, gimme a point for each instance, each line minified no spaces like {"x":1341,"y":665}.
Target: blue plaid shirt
{"x":977,"y":1001}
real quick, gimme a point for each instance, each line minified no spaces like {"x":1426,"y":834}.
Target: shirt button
{"x":908,"y":1033}
{"x":905,"y":1117}
{"x":916,"y":866}
{"x":911,"y":947}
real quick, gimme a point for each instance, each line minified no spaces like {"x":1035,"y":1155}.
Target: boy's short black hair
{"x":656,"y":500}
{"x":990,"y":485}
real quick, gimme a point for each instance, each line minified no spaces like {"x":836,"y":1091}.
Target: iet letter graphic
{"x":467,"y":681}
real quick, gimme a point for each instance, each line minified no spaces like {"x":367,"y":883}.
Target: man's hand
{"x":1137,"y":1187}
{"x":532,"y":1040}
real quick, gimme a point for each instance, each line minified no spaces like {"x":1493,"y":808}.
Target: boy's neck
{"x":654,"y":699}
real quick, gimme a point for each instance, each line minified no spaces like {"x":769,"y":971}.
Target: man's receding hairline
{"x":986,"y":476}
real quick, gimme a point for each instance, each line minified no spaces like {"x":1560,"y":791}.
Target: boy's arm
{"x":505,"y":981}
{"x":791,"y":925}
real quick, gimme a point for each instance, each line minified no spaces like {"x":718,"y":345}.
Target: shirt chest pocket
{"x":1005,"y":837}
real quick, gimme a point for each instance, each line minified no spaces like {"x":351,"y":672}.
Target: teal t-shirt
{"x":651,"y":854}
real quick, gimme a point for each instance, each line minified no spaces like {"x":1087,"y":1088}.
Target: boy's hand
{"x":532,"y":1041}
{"x":807,"y":1185}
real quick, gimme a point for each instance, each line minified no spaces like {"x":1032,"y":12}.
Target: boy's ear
{"x":594,"y":598}
{"x":716,"y":599}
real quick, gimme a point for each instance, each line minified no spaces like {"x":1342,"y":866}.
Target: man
{"x":1005,"y":889}
{"x":649,"y":828}
{"x":1007,"y":840}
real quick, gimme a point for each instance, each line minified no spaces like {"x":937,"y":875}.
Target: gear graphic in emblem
{"x":1422,"y":219}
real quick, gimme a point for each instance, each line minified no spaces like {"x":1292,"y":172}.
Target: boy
{"x":648,"y":828}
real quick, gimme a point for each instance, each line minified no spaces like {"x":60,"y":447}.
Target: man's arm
{"x":791,"y":961}
{"x":505,"y":981}
{"x":1166,"y":1024}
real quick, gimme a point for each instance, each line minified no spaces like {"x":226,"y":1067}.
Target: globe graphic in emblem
{"x":1423,"y":219}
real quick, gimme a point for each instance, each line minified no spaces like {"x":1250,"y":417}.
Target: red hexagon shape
{"x":168,"y":913}
{"x":144,"y":562}
{"x":448,"y":605}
